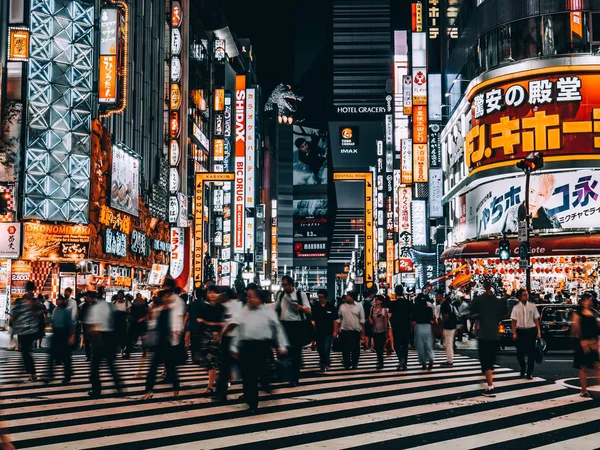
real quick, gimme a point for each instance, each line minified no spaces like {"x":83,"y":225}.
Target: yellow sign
{"x":113,"y":219}
{"x":352,"y":176}
{"x":219,"y":99}
{"x":175,"y":97}
{"x":18,"y":44}
{"x":420,"y":163}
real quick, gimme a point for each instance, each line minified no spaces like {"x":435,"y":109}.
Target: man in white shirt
{"x":231,"y":318}
{"x":292,"y":308}
{"x":350,"y":327}
{"x":71,"y":303}
{"x":526,"y":329}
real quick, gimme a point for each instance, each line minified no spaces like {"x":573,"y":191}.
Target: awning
{"x":540,"y":246}
{"x":449,"y":274}
{"x":460,"y":280}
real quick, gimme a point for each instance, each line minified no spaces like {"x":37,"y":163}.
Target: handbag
{"x":540,"y":350}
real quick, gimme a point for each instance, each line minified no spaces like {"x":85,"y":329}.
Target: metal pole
{"x":528,"y":219}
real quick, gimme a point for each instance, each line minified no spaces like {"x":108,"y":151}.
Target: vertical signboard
{"x":175,"y":119}
{"x":421,"y":164}
{"x":240,"y":163}
{"x":420,"y":125}
{"x":250,"y":150}
{"x":404,"y":217}
{"x":436,"y":192}
{"x":419,"y":223}
{"x":227,"y":125}
{"x":369,"y":241}
{"x":406,"y":162}
{"x":419,"y":86}
{"x":407,"y":94}
{"x":107,"y":83}
{"x":435,"y":145}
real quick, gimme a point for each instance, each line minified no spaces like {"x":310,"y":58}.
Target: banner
{"x":407,"y":162}
{"x":310,"y":156}
{"x":124,"y":191}
{"x":240,"y":163}
{"x":420,"y":125}
{"x":46,"y":241}
{"x":407,"y":93}
{"x":310,"y":218}
{"x":250,"y":150}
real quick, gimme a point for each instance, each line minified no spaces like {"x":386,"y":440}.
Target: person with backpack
{"x":292,"y":307}
{"x":449,"y":320}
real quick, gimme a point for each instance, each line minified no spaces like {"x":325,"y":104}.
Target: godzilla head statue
{"x":285,"y":99}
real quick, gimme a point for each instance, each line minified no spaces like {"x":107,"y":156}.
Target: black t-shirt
{"x":194,"y":310}
{"x":422,"y":314}
{"x":324,"y":316}
{"x":212,"y":314}
{"x":446,"y":308}
{"x":401,"y":311}
{"x":138,"y":312}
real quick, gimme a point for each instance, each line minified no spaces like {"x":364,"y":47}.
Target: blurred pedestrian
{"x":292,"y":307}
{"x":26,"y":316}
{"x":137,"y":323}
{"x":449,"y":321}
{"x":84,"y":310}
{"x":211,"y":318}
{"x":258,"y":330}
{"x":122,"y":305}
{"x":489,"y":310}
{"x":324,"y":315}
{"x":526,"y":329}
{"x":379,"y":320}
{"x":585,"y":330}
{"x":423,"y":320}
{"x":400,"y":320}
{"x":367,"y":305}
{"x":63,"y":339}
{"x":350,"y":328}
{"x":231,"y":319}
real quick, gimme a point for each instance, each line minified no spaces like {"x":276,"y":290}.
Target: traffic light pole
{"x":528,"y":219}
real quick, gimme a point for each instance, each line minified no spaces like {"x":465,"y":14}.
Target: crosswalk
{"x":359,"y":408}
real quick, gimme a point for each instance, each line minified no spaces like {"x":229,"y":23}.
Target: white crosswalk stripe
{"x":358,"y":408}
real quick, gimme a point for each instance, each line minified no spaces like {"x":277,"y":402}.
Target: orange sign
{"x":219,"y":99}
{"x":554,"y":111}
{"x":420,"y":163}
{"x":18,"y":44}
{"x":175,"y":97}
{"x":108,"y":79}
{"x":420,"y":124}
{"x":219,"y":149}
{"x":174,"y":127}
{"x":176,"y":15}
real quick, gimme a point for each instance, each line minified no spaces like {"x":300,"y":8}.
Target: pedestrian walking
{"x":379,"y":320}
{"x":231,"y":320}
{"x":211,"y":318}
{"x":258,"y":330}
{"x":167,"y":332}
{"x":367,"y":306}
{"x":122,"y":305}
{"x":101,"y":322}
{"x":137,"y":323}
{"x":350,"y":328}
{"x":526,"y":329}
{"x":292,"y":307}
{"x":449,"y":321}
{"x":324,"y":315}
{"x":585,"y":331}
{"x":84,"y":310}
{"x":400,"y":320}
{"x":63,"y":339}
{"x":489,"y":310}
{"x":423,"y":320}
{"x":26,"y":316}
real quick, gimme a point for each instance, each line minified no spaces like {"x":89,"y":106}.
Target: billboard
{"x":310,"y":218}
{"x":250,"y":150}
{"x":552,"y":110}
{"x":47,"y":241}
{"x":558,"y":201}
{"x":406,"y":164}
{"x":311,"y":147}
{"x":124,"y":190}
{"x":240,"y":163}
{"x":354,"y":144}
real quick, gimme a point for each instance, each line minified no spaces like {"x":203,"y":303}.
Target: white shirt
{"x":287,"y":312}
{"x":101,"y":315}
{"x":177,"y":313}
{"x":351,"y":317}
{"x":525,"y":315}
{"x":233,"y":310}
{"x":72,"y":307}
{"x":259,"y":324}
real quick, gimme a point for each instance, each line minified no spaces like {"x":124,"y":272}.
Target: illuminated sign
{"x":310,"y":249}
{"x":240,"y":163}
{"x":115,"y":243}
{"x":175,"y":96}
{"x":419,"y":223}
{"x":433,"y":14}
{"x":218,"y":149}
{"x":406,"y":162}
{"x":200,"y":136}
{"x":405,"y":265}
{"x":47,"y":241}
{"x":219,"y":104}
{"x":140,"y":243}
{"x":176,"y":41}
{"x":10,"y":240}
{"x":177,"y":252}
{"x":420,"y":125}
{"x":219,"y":48}
{"x":108,"y":79}
{"x":420,"y":163}
{"x":361,"y":110}
{"x":116,"y":220}
{"x":177,"y":201}
{"x":405,"y":196}
{"x":435,"y":145}
{"x":18,"y":44}
{"x":419,"y":84}
{"x":417,"y":17}
{"x":349,"y":136}
{"x":174,"y":153}
{"x":108,"y":31}
{"x":175,"y":69}
{"x":176,"y":14}
{"x":173,"y":180}
{"x":227,"y":133}
{"x":436,"y":192}
{"x":250,"y":150}
{"x":552,"y":111}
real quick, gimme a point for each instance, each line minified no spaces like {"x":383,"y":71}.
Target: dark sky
{"x":270,"y":25}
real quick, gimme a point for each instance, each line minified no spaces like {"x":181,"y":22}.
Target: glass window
{"x":14,"y":80}
{"x":525,"y":38}
{"x":505,"y":43}
{"x":596,"y":27}
{"x":16,"y":12}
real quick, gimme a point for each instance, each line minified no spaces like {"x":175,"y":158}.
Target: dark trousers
{"x":350,"y":341}
{"x":253,"y":363}
{"x":87,"y":341}
{"x":294,"y":331}
{"x":163,"y":354}
{"x":120,"y":321}
{"x":103,"y":348}
{"x":25,"y":347}
{"x":134,"y":332}
{"x":379,"y":339}
{"x":526,"y":346}
{"x":401,"y":341}
{"x":60,"y":351}
{"x":226,"y":363}
{"x":324,"y":349}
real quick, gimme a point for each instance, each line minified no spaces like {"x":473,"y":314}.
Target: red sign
{"x":420,"y":124}
{"x":405,"y":265}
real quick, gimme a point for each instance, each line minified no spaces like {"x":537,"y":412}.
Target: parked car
{"x":555,"y":322}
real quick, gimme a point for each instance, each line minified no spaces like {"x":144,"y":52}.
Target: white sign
{"x":523,"y":231}
{"x":176,"y":42}
{"x":406,"y":162}
{"x":174,"y":153}
{"x":419,"y":82}
{"x":173,"y":209}
{"x":250,"y":150}
{"x":201,"y":137}
{"x":238,"y":246}
{"x":182,"y":214}
{"x":173,"y":180}
{"x":175,"y":69}
{"x":10,"y":240}
{"x":407,"y":94}
{"x":3,"y":304}
{"x":436,"y":192}
{"x":419,"y":223}
{"x":157,"y":274}
{"x":177,"y":252}
{"x":250,"y":234}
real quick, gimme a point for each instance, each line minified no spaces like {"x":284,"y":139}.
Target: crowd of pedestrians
{"x":260,"y":337}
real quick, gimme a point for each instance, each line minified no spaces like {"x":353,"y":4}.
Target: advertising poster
{"x":310,"y":218}
{"x":124,"y":194}
{"x":311,"y":147}
{"x":558,"y":201}
{"x":46,"y":241}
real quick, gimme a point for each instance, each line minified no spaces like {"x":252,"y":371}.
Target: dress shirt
{"x":259,"y":324}
{"x":289,"y":314}
{"x":351,"y":317}
{"x":525,"y":315}
{"x":72,"y":307}
{"x":177,"y":314}
{"x":233,"y":310}
{"x":101,"y":315}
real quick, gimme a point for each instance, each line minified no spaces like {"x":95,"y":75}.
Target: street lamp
{"x":533,"y":161}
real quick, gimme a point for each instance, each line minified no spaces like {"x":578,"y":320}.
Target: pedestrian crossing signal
{"x":504,"y":250}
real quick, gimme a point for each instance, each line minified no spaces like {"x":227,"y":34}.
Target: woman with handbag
{"x":211,"y":319}
{"x":379,"y":320}
{"x":586,"y":331}
{"x":423,"y":321}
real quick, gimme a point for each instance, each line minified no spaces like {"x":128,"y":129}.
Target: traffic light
{"x":533,"y":161}
{"x":504,"y":250}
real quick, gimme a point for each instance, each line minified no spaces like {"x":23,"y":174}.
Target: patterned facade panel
{"x":57,"y":162}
